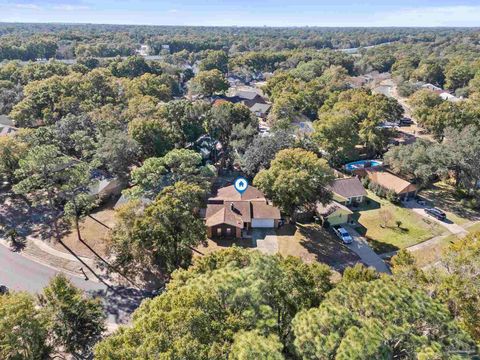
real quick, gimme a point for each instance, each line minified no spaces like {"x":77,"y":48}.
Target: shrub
{"x":406,"y":89}
{"x":392,"y":197}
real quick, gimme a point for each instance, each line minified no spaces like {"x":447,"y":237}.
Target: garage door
{"x":263,"y":223}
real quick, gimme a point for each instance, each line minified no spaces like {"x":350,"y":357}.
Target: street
{"x":22,"y":274}
{"x":19,"y":273}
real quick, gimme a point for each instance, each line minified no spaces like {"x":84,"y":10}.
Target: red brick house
{"x":230,"y":214}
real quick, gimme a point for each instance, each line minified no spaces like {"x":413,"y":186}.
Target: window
{"x":229,"y":231}
{"x":219,"y":231}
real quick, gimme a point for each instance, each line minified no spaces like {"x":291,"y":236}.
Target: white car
{"x":343,"y":234}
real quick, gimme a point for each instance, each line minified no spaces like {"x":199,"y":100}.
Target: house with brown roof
{"x":348,"y":191}
{"x":231,"y":214}
{"x":403,"y":188}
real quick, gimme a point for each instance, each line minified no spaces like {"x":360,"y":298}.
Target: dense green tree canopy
{"x":378,"y":319}
{"x":208,"y":83}
{"x":176,"y":165}
{"x":23,"y":330}
{"x":296,"y":179}
{"x":159,"y":239}
{"x":206,"y":309}
{"x":60,"y":321}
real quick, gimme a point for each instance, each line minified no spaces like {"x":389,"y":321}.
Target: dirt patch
{"x":94,"y":232}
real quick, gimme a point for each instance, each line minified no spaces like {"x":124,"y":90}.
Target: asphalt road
{"x":19,"y":273}
{"x":22,"y":274}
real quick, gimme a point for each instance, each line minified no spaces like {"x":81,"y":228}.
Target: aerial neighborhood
{"x":171,"y":192}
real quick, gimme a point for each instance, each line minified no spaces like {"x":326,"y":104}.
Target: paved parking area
{"x":448,"y":224}
{"x":265,"y":240}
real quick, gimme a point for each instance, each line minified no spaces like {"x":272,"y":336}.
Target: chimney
{"x":232,"y":207}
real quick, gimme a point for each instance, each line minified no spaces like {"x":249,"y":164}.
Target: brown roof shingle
{"x":232,"y":208}
{"x":229,"y":193}
{"x":389,"y":181}
{"x":348,"y":187}
{"x":261,"y":210}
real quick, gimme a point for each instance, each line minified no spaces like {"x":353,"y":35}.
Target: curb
{"x":38,"y":261}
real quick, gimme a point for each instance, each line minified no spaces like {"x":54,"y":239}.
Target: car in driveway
{"x":405,"y":122}
{"x":3,"y":290}
{"x":343,"y":234}
{"x":436,"y":213}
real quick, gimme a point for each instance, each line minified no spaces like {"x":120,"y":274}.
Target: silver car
{"x":343,"y":234}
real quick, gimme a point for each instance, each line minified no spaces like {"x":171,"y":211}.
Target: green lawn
{"x":412,"y":230}
{"x":443,"y":196}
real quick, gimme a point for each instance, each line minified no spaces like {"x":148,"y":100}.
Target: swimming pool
{"x":362,"y":164}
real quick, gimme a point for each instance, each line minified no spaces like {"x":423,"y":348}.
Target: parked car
{"x":405,"y":122}
{"x":436,"y":213}
{"x":3,"y":290}
{"x":343,"y":234}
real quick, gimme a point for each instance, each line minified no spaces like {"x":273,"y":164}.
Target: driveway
{"x":448,"y":224}
{"x":265,"y":240}
{"x":365,"y":252}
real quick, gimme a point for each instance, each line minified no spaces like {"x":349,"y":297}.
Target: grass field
{"x":390,"y":236}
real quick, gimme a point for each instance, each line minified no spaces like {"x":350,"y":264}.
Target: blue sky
{"x":246,"y":12}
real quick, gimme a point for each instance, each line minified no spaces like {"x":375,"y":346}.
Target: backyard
{"x":389,"y":227}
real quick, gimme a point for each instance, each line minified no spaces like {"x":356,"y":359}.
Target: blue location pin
{"x":241,"y":184}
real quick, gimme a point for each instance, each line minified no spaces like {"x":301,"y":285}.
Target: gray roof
{"x":103,"y":184}
{"x":5,"y":120}
{"x":257,"y":107}
{"x":125,"y":199}
{"x":246,"y":94}
{"x":348,"y":187}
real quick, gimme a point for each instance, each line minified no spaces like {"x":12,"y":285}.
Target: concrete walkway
{"x":365,"y":252}
{"x":54,"y":252}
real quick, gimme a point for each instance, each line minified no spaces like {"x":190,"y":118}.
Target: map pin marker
{"x":241,"y":184}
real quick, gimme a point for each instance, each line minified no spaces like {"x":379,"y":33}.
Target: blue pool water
{"x":362,"y":164}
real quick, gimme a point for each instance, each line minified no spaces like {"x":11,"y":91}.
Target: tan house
{"x":230,"y":214}
{"x":348,"y":191}
{"x":403,"y":188}
{"x":334,"y":212}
